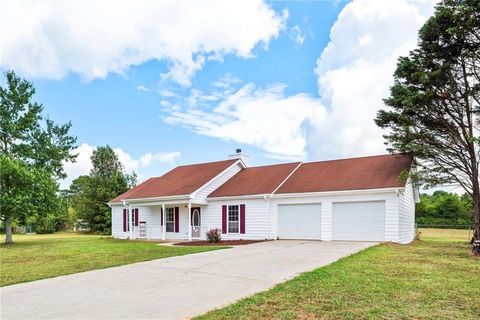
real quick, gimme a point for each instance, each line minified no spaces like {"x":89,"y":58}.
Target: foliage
{"x":31,"y":196}
{"x":89,"y":194}
{"x":443,"y":208}
{"x":434,"y":113}
{"x":24,"y":136}
{"x":46,"y":256}
{"x":32,"y":151}
{"x":214,"y":235}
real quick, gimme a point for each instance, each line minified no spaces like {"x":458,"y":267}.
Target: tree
{"x":90,"y":194}
{"x":434,"y":102}
{"x":444,"y":208}
{"x":32,"y":149}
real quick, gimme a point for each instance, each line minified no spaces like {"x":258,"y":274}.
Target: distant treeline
{"x":444,"y":208}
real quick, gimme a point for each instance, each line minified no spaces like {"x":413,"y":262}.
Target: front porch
{"x":180,"y":221}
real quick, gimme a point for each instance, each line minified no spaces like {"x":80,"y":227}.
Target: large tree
{"x":89,"y":194}
{"x":32,"y":150}
{"x":434,"y":112}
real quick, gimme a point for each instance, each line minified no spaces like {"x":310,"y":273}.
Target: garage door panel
{"x":299,"y":221}
{"x":362,"y":221}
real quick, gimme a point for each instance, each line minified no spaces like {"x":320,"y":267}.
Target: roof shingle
{"x":348,"y":174}
{"x":182,"y":180}
{"x":255,"y":180}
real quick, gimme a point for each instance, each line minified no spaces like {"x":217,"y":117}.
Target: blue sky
{"x":176,"y":83}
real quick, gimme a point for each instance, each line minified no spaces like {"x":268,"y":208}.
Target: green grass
{"x":34,"y":257}
{"x":434,"y":278}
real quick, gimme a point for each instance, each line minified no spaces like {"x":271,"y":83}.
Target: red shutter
{"x":161,"y":216}
{"x":124,"y":220}
{"x":224,"y":219}
{"x":177,"y":223}
{"x":242,"y":218}
{"x":136,"y":217}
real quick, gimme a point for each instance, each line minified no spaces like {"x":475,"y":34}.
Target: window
{"x":233,"y":219}
{"x":196,"y":218}
{"x":170,"y":219}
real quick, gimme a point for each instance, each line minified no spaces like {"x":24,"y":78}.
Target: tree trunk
{"x":476,"y":230}
{"x":8,"y":230}
{"x":476,"y":212}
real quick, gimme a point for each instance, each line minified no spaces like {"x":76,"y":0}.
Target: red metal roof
{"x":182,"y":180}
{"x":348,"y":174}
{"x":255,"y":180}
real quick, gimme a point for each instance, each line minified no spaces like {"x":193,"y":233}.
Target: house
{"x":357,"y":199}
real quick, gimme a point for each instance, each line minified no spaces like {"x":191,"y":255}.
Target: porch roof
{"x":181,"y":181}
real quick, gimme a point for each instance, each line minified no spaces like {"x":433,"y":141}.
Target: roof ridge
{"x":208,"y":162}
{"x":272,"y":165}
{"x":353,"y":158}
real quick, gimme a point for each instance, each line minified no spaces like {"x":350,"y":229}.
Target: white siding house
{"x":358,"y":199}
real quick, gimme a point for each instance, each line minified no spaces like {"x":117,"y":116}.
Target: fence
{"x":446,"y":226}
{"x":469,"y":227}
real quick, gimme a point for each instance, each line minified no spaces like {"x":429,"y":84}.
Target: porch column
{"x":189,"y":213}
{"x":130,"y":224}
{"x":164,"y":221}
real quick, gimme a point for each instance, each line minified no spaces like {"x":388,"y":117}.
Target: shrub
{"x":214,"y":235}
{"x":47,"y":225}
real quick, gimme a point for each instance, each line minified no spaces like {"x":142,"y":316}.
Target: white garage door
{"x":299,"y":221}
{"x":359,"y":221}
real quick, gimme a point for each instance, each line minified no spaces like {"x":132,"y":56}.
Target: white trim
{"x":267,"y":198}
{"x":192,"y":195}
{"x":130,"y":225}
{"x":248,"y":196}
{"x":285,"y":180}
{"x":189,"y":214}
{"x":307,"y":194}
{"x":164,"y":219}
{"x":342,"y":192}
{"x":179,"y":197}
{"x":228,"y":218}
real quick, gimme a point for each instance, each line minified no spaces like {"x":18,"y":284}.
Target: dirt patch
{"x":221,"y":243}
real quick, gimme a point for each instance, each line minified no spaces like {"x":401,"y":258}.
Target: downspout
{"x":267,"y":231}
{"x":130,"y":224}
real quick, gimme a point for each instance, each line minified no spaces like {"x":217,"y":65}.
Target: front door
{"x":196,"y":222}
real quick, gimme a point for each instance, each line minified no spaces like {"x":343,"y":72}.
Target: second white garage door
{"x":362,"y":221}
{"x":299,"y":221}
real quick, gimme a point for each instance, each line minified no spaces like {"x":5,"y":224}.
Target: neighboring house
{"x":359,"y":199}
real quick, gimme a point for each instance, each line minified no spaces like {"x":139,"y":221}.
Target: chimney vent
{"x":240,"y":155}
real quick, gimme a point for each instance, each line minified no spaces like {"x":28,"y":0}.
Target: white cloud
{"x":167,"y":93}
{"x":83,"y":165}
{"x":142,"y":88}
{"x":167,"y":157}
{"x":354,"y":75}
{"x":264,"y":118}
{"x":297,"y":35}
{"x":50,"y":39}
{"x":355,"y":72}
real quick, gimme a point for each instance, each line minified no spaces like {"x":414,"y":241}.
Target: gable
{"x":183,"y":180}
{"x":255,"y":180}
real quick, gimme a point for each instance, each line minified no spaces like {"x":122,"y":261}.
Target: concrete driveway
{"x":172,"y":288}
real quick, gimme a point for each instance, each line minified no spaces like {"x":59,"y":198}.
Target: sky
{"x":178,"y":82}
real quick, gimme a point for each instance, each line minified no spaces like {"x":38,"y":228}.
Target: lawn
{"x":433,"y":278}
{"x":34,"y":257}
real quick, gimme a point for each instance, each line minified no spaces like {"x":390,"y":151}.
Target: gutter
{"x":339,"y":192}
